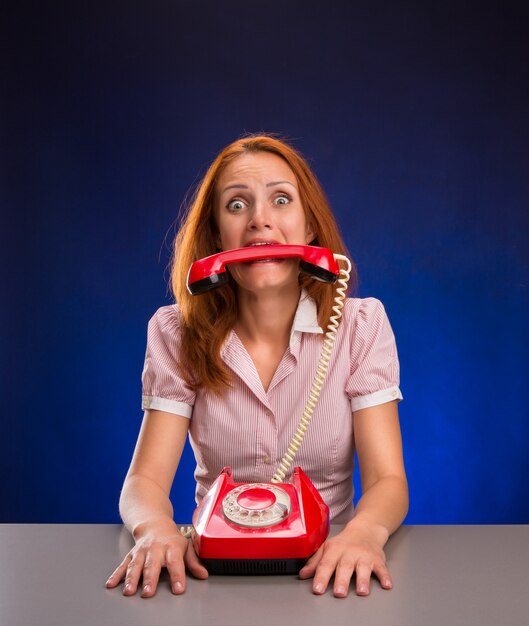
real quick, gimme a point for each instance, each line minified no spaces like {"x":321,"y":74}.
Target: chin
{"x":276,"y":275}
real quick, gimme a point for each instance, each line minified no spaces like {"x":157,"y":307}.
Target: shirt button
{"x":269,"y":414}
{"x":267,"y":459}
{"x":394,"y":394}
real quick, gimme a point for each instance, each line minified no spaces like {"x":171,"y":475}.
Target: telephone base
{"x":259,"y":528}
{"x":255,"y":567}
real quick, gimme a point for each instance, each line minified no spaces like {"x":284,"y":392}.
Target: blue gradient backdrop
{"x":415,"y":118}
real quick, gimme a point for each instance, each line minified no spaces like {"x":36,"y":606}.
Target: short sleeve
{"x":374,"y":374}
{"x":162,"y":386}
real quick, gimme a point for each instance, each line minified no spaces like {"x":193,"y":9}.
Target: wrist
{"x":163,"y":525}
{"x":369,"y":529}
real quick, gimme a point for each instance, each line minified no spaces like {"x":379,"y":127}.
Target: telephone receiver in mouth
{"x":210,"y":272}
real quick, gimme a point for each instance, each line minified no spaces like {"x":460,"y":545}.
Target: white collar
{"x":306,"y":318}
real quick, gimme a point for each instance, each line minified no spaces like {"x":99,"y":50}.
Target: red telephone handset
{"x":267,"y":528}
{"x":211,"y":272}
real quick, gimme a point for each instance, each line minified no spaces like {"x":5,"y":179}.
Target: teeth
{"x":261,"y":243}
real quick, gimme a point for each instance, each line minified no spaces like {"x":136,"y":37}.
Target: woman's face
{"x":257,"y":202}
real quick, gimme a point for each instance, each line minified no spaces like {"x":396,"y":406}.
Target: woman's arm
{"x":358,"y":548}
{"x":147,"y":511}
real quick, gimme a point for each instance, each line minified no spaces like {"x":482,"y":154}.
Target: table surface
{"x":55,"y":575}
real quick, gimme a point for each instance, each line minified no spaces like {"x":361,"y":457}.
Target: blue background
{"x":415,"y":118}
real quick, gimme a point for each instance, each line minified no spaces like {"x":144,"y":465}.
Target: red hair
{"x":208,"y":318}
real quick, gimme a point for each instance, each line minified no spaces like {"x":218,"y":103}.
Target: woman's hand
{"x":354,"y":550}
{"x":358,"y":548}
{"x":157,"y":546}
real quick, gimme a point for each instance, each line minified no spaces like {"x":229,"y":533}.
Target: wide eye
{"x":282,"y":199}
{"x":236,"y":205}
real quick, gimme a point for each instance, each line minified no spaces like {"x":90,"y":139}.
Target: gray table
{"x":55,"y":574}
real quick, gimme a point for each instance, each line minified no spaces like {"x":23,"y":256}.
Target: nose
{"x":260,"y":216}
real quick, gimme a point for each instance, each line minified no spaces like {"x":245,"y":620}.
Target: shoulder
{"x":363,"y":311}
{"x":165,"y":324}
{"x":167,"y":317}
{"x":366,"y":324}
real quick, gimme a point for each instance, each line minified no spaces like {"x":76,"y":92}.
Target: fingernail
{"x":340,"y":591}
{"x":318,"y":588}
{"x":178,"y":587}
{"x":127,"y":588}
{"x":387,"y":583}
{"x":362,"y":588}
{"x":147,"y":589}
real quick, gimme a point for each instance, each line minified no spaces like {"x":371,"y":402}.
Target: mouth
{"x":254,"y":244}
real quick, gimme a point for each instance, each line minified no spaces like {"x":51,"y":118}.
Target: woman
{"x":232,"y":368}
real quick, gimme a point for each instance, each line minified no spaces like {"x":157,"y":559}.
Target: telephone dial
{"x":267,"y":528}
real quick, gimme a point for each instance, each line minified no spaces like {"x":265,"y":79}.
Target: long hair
{"x":208,"y":318}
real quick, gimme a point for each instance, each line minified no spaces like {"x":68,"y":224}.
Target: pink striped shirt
{"x":249,"y":428}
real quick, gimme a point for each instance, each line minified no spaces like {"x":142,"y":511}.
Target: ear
{"x":310,"y":235}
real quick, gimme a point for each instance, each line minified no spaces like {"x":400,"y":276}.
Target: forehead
{"x":256,"y":166}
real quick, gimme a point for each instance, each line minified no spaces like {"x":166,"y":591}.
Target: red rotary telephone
{"x":259,"y":528}
{"x":211,"y":272}
{"x":267,"y":528}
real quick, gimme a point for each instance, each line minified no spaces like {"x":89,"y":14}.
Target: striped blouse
{"x":249,"y":428}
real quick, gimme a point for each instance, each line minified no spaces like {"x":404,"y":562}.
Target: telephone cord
{"x":321,"y":372}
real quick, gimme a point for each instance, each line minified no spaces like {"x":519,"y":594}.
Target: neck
{"x":267,"y":316}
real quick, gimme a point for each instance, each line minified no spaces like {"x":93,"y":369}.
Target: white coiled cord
{"x":321,"y":371}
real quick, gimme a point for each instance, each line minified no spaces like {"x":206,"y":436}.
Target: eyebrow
{"x":280,"y":182}
{"x":273,"y":184}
